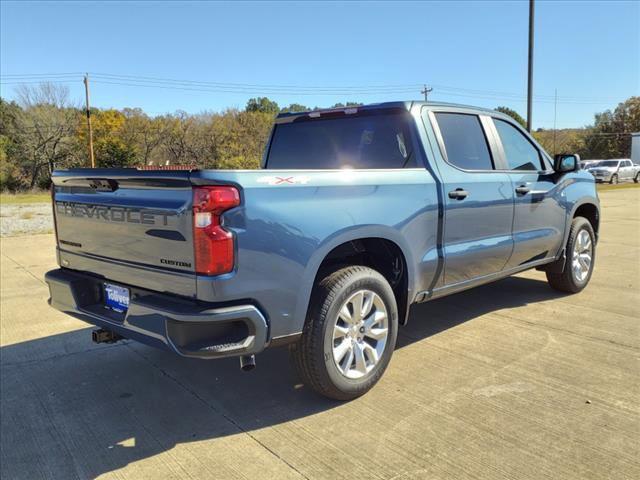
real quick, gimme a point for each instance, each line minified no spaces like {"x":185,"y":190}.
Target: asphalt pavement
{"x":509,"y":380}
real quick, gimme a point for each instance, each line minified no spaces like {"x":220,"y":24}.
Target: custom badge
{"x":284,"y":180}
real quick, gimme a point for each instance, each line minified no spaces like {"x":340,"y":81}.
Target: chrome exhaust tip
{"x":247,"y":363}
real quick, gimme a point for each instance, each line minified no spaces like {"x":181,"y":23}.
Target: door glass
{"x":464,"y":141}
{"x":520,"y":152}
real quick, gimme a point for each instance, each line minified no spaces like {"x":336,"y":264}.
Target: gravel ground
{"x":25,"y":219}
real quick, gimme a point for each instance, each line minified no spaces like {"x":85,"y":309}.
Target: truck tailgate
{"x":128,"y":226}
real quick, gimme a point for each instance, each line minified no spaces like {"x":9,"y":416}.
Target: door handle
{"x":522,"y":190}
{"x":458,"y":194}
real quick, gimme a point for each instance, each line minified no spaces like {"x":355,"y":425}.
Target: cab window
{"x":375,"y":141}
{"x":464,"y":141}
{"x":520,"y":153}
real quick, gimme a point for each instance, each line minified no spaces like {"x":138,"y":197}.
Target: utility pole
{"x":555,"y":117}
{"x":426,"y":91}
{"x":86,"y":91}
{"x":530,"y":76}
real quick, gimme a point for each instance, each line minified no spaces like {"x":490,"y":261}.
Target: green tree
{"x":295,"y":107}
{"x":566,"y":140}
{"x":513,"y":114}
{"x":110,"y":145}
{"x":610,"y":136}
{"x":262,"y":104}
{"x":10,"y":178}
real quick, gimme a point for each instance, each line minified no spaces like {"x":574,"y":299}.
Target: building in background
{"x":635,"y":148}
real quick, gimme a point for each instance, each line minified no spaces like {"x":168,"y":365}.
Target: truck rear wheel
{"x":581,"y":256}
{"x":349,"y":335}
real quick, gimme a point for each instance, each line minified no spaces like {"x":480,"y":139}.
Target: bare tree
{"x":45,"y":128}
{"x":45,"y":93}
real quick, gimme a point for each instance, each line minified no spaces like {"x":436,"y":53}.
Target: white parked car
{"x":615,"y":171}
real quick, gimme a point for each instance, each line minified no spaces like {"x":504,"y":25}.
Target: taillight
{"x":213,"y":245}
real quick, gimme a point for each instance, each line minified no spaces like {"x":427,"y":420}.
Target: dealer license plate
{"x":116,"y":297}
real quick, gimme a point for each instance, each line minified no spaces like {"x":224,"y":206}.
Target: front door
{"x":539,"y":217}
{"x":478,"y":200}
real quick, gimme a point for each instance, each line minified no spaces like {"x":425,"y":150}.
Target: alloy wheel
{"x":582,"y":256}
{"x":360,"y":334}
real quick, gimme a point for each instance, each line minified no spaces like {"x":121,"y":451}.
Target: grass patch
{"x":620,"y":186}
{"x":31,"y":197}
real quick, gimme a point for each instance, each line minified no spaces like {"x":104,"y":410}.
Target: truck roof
{"x":402,"y":105}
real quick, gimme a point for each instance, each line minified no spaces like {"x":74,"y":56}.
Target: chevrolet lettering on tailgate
{"x":113,"y":214}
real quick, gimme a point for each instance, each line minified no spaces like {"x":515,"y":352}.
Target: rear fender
{"x":344,"y":236}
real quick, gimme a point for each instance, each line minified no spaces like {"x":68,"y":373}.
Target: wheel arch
{"x":590,"y":211}
{"x":370,"y":246}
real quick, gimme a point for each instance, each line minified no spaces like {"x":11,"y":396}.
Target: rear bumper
{"x":186,"y":327}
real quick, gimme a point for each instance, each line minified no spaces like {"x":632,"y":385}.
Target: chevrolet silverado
{"x":355,"y":215}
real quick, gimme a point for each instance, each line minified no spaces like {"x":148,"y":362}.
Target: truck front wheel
{"x":581,"y":256}
{"x":349,"y":334}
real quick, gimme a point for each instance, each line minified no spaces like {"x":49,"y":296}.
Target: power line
{"x":347,"y":89}
{"x":394,"y":87}
{"x":228,"y":84}
{"x":37,"y":75}
{"x":253,"y":89}
{"x":39,"y":82}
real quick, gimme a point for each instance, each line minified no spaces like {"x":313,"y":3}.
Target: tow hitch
{"x":105,"y":336}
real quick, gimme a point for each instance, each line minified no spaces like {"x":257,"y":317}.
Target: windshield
{"x":607,"y":163}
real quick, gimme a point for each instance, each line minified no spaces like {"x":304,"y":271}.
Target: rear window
{"x":363,"y":141}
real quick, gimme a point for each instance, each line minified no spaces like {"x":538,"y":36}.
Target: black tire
{"x":636,"y":179}
{"x":614,"y":179}
{"x":567,"y":281}
{"x":312,"y":355}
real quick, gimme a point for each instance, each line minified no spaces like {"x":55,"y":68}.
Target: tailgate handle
{"x":103,"y":184}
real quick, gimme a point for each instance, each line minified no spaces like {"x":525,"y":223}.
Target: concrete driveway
{"x":510,"y":380}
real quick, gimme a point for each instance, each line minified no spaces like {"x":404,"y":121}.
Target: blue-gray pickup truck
{"x":356,"y":214}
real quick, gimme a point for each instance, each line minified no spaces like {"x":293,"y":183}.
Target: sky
{"x":208,"y":56}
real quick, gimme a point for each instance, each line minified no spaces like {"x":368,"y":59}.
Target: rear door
{"x":129,"y":226}
{"x":478,"y":199}
{"x":539,"y":214}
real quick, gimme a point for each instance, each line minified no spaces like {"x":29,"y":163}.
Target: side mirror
{"x":566,"y":162}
